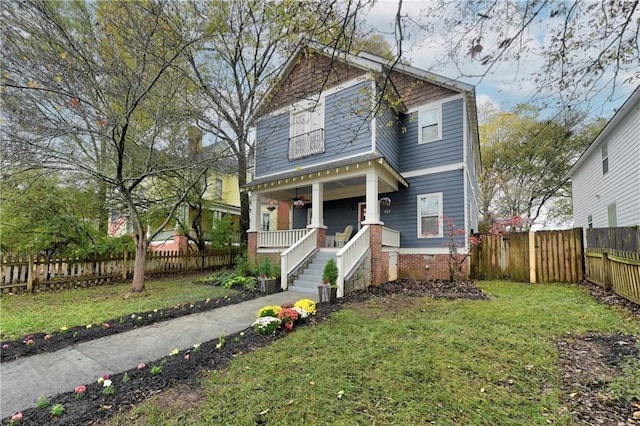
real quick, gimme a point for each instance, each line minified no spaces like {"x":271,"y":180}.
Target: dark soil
{"x":134,"y":386}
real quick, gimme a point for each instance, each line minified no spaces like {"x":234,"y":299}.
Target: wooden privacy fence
{"x":542,"y":256}
{"x":29,"y":274}
{"x":613,"y":260}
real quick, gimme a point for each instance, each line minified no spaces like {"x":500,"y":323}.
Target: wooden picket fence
{"x":30,"y":274}
{"x":554,"y":256}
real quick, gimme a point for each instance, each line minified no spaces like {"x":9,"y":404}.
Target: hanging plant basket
{"x":385,"y":201}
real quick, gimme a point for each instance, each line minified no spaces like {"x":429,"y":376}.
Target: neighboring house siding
{"x":272,"y":146}
{"x":387,"y":135}
{"x":403,"y":215}
{"x":448,"y":150}
{"x":593,"y":192}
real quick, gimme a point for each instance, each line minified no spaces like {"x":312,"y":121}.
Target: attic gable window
{"x":430,"y":123}
{"x":306,"y":132}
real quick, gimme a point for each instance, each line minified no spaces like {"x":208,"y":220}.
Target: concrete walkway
{"x":23,"y":381}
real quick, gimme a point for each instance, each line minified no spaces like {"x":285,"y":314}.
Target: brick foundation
{"x":321,"y":237}
{"x":427,"y":266}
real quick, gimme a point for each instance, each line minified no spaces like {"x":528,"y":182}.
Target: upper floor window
{"x":430,"y":123}
{"x":430,"y":215}
{"x":306,"y":133}
{"x":218,"y":188}
{"x":605,"y":158}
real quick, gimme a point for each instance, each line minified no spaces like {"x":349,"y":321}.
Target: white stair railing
{"x":348,"y":256}
{"x":291,"y":258}
{"x":285,"y":238}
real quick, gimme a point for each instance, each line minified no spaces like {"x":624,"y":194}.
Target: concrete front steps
{"x":309,"y":280}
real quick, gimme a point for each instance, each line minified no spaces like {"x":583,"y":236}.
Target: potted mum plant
{"x":327,"y":291}
{"x":267,"y":277}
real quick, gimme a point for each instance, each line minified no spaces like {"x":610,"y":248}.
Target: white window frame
{"x":313,"y":113}
{"x":439,"y":197}
{"x":604,"y":151}
{"x":437,"y":108}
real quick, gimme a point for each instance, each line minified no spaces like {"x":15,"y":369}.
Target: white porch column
{"x":317,"y":204}
{"x":372,"y":217}
{"x":254,"y":213}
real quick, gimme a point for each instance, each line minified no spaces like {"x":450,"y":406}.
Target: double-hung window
{"x":306,"y":133}
{"x":430,"y":215}
{"x":430,"y":123}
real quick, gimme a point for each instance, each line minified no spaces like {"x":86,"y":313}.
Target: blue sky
{"x":508,"y":84}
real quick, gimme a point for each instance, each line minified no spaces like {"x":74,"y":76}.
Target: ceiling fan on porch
{"x":299,"y":201}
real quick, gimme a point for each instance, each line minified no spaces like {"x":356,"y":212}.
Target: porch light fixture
{"x":385,"y":201}
{"x":272,"y":206}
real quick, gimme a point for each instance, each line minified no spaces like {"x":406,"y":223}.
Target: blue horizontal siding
{"x":272,"y":144}
{"x":387,"y":134}
{"x":403,"y":215}
{"x":448,"y":150}
{"x":347,"y":125}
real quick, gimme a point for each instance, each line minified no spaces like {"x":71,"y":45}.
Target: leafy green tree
{"x":98,"y":88}
{"x":44,"y":215}
{"x":526,"y":160}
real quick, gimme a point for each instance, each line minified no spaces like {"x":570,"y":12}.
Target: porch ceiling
{"x":344,"y":181}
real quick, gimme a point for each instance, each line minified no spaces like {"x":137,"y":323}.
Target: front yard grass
{"x":400,"y":360}
{"x":48,"y":311}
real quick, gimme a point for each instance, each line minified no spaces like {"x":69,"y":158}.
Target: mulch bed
{"x":185,"y":368}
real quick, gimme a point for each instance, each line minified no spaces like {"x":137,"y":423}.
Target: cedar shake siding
{"x":415,"y":92}
{"x":311,"y":74}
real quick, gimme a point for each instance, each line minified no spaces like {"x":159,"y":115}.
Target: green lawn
{"x":406,"y":361}
{"x":22,"y":314}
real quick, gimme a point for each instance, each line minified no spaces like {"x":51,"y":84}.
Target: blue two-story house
{"x":390,"y":154}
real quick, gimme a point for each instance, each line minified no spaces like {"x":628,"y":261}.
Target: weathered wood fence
{"x":29,"y":274}
{"x":542,"y":256}
{"x":613,"y":260}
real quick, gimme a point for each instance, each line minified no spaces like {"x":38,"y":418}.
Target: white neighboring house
{"x":606,"y":178}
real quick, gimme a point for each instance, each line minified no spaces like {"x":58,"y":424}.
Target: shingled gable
{"x":312,"y":70}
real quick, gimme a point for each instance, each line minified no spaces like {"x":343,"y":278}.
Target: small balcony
{"x":306,"y":144}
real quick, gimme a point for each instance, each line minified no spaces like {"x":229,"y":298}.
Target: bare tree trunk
{"x":137,"y":286}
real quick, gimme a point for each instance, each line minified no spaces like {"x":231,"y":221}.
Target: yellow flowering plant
{"x":306,"y":304}
{"x":268,"y":311}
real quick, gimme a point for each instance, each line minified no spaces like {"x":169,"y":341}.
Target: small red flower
{"x":288,"y":325}
{"x":80,"y":389}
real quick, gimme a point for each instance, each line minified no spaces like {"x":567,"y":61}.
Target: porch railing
{"x":390,"y":237}
{"x":285,"y":238}
{"x":292,"y":257}
{"x":306,"y":144}
{"x":349,"y":256}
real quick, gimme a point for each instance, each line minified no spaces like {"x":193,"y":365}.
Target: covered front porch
{"x":322,"y":204}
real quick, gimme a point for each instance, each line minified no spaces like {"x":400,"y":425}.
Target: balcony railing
{"x":306,"y":144}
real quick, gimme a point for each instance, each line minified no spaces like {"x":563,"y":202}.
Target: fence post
{"x":124,"y":264}
{"x":532,"y":257}
{"x":607,"y":275}
{"x":30,"y":273}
